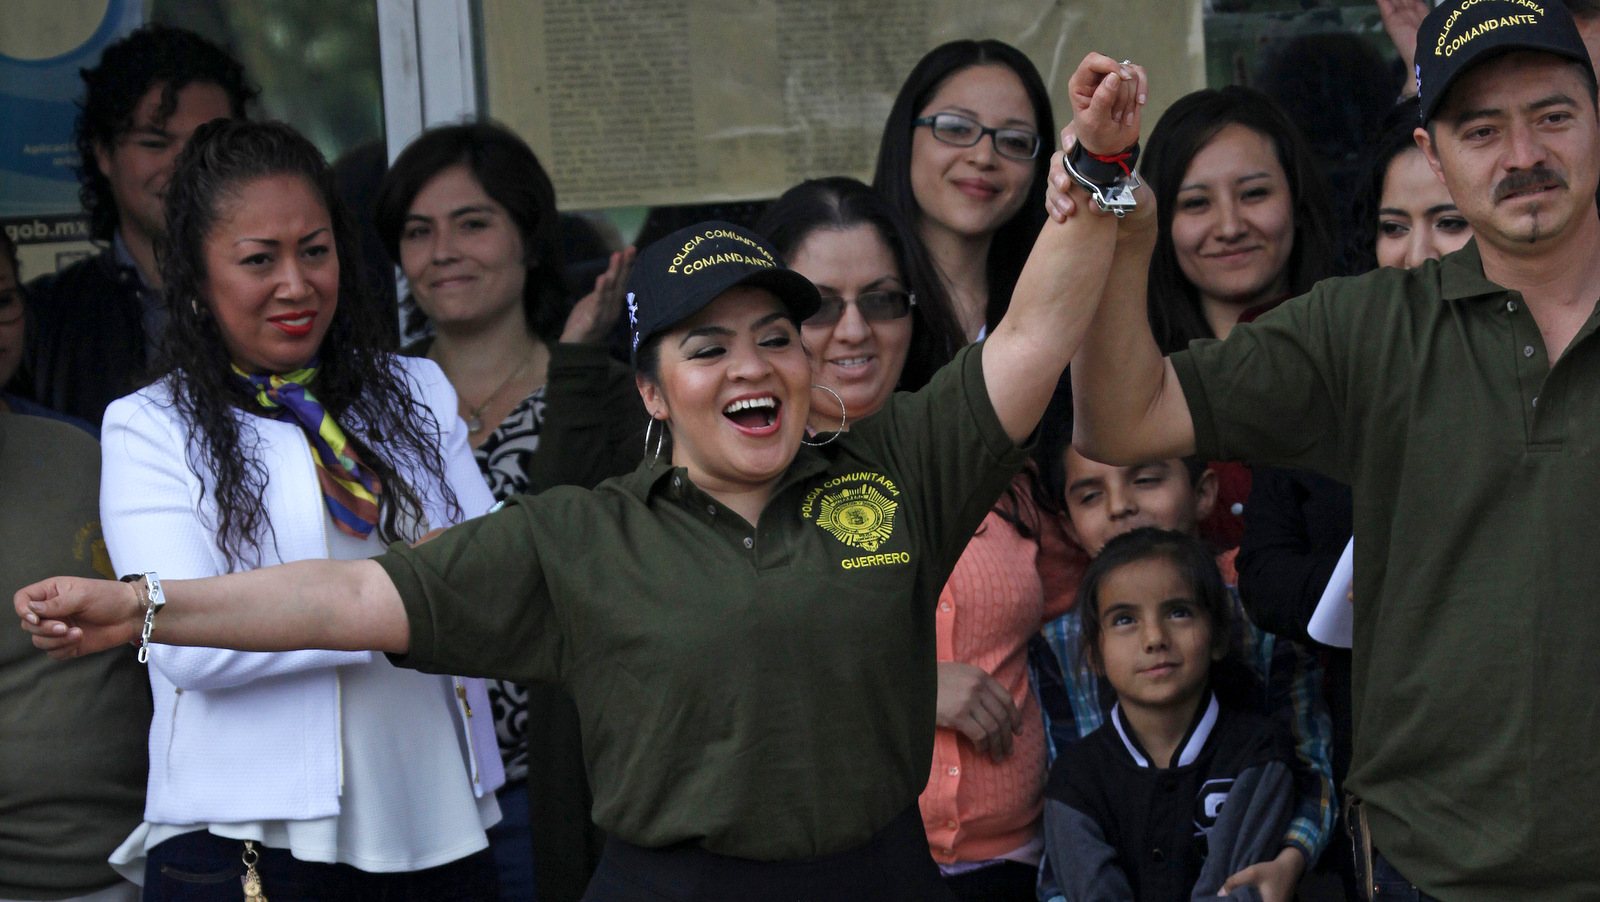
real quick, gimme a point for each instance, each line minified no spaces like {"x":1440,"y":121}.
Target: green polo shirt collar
{"x":652,"y":477}
{"x":1461,"y":275}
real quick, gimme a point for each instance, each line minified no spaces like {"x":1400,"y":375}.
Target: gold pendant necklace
{"x":474,"y":415}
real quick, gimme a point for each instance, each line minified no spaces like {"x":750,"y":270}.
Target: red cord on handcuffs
{"x":1120,"y":159}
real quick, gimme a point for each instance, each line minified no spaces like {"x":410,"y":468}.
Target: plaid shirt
{"x":1075,"y":702}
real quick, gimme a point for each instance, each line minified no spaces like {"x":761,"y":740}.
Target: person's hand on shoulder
{"x":70,"y":617}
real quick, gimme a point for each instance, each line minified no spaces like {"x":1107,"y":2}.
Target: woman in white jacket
{"x":280,"y":431}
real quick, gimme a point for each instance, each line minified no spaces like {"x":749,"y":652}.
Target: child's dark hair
{"x":1194,"y":563}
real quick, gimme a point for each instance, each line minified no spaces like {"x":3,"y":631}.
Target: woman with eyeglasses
{"x":870,"y":336}
{"x":885,"y":322}
{"x":962,"y":160}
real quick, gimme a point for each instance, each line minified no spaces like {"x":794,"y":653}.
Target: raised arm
{"x":1054,"y":299}
{"x":341,"y":605}
{"x":1127,"y":405}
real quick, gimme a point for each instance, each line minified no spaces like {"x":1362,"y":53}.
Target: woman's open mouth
{"x":754,"y":416}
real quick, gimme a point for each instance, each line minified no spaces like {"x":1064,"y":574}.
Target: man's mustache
{"x":1537,"y":177}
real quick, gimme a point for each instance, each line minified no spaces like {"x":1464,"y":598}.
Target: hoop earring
{"x":660,"y":440}
{"x":843,"y":418}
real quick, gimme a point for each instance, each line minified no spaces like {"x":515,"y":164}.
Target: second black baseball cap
{"x":1459,"y":33}
{"x":677,"y":276}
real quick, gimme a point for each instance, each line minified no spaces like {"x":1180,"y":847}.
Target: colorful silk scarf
{"x":349,"y":486}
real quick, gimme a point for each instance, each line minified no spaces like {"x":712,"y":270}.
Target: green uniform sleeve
{"x":593,"y":423}
{"x":1274,"y":392}
{"x":477,"y":599}
{"x":948,"y":444}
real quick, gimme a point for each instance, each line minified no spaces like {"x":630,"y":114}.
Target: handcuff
{"x":1110,"y":180}
{"x":152,"y":600}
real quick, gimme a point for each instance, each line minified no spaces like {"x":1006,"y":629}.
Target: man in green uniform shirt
{"x":1462,"y":402}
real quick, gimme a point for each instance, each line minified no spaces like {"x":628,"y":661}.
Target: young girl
{"x":1177,"y":790}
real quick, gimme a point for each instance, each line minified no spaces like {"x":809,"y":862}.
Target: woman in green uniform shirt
{"x":745,"y":622}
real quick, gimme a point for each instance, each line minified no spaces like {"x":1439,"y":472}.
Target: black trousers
{"x":1006,"y":881}
{"x":201,"y":867}
{"x":893,"y":866}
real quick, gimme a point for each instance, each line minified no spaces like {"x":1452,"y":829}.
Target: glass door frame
{"x":429,"y":57}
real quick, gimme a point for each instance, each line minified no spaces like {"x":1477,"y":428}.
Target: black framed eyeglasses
{"x":875,"y":306}
{"x":958,"y":130}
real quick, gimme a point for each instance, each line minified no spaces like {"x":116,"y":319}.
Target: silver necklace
{"x":474,"y":415}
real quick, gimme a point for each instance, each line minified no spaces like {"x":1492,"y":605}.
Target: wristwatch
{"x":1110,"y":180}
{"x":152,"y":600}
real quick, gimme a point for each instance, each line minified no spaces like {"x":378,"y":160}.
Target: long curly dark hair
{"x":359,"y":381}
{"x":172,"y":58}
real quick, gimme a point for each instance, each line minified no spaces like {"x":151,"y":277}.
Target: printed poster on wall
{"x":646,"y":102}
{"x":42,"y":46}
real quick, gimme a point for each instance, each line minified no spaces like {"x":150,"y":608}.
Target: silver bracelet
{"x":152,"y":599}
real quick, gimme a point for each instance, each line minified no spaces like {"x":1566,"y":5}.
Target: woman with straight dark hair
{"x":962,"y":160}
{"x":1243,"y":213}
{"x":1402,"y":215}
{"x":282,"y":431}
{"x":469,"y":216}
{"x":1245,"y":223}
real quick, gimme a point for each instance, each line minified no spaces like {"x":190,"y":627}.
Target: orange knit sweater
{"x":1002,"y":589}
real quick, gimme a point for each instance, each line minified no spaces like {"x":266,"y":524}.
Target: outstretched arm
{"x":342,"y":605}
{"x":1054,"y":299}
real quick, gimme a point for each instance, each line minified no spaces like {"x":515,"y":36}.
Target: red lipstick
{"x":295,"y":325}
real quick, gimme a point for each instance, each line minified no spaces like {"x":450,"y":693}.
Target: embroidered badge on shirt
{"x":859,"y":510}
{"x":860,"y":517}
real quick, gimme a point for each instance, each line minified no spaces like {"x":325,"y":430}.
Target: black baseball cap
{"x":677,"y":276}
{"x":1459,"y":33}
